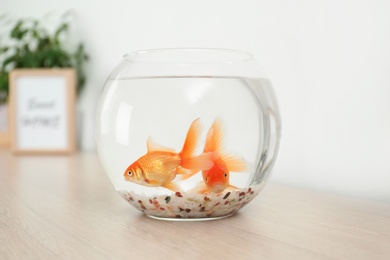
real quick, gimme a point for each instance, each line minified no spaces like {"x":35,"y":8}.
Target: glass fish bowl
{"x":188,"y":134}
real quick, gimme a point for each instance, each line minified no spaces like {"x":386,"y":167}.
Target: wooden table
{"x":64,"y":207}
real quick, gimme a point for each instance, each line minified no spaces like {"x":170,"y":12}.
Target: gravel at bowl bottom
{"x":192,"y":205}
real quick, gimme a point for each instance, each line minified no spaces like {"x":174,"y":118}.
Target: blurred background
{"x":329,"y":62}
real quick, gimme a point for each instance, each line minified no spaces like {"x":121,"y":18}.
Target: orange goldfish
{"x":216,"y":179}
{"x":159,"y":166}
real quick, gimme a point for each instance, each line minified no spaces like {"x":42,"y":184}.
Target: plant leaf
{"x":47,"y":52}
{"x":17,"y":32}
{"x":62,"y":28}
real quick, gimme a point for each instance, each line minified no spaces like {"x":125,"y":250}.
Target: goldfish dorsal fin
{"x":191,"y":141}
{"x":214,"y":137}
{"x":153,"y":146}
{"x":235,"y":163}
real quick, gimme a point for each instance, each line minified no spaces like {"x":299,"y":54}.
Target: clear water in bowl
{"x":162,"y":109}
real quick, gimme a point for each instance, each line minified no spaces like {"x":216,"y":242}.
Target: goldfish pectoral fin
{"x":235,"y":163}
{"x":172,"y":186}
{"x":231,"y":187}
{"x":153,"y":146}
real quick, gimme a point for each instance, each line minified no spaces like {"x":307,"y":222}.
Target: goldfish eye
{"x":207,"y":179}
{"x":130,"y":173}
{"x":225,"y":175}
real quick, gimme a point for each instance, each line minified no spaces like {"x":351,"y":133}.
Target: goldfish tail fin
{"x":188,"y":158}
{"x":202,"y":162}
{"x":192,"y":140}
{"x":214,"y":137}
{"x":214,"y":143}
{"x":235,"y":163}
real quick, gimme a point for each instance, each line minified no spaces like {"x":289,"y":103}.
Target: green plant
{"x":30,"y":45}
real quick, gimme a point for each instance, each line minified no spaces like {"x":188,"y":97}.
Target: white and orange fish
{"x":216,"y":179}
{"x":160,"y":165}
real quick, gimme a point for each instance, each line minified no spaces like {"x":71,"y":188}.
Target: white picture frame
{"x":42,"y":111}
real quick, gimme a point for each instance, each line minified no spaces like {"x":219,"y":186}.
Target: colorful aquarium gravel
{"x":192,"y":205}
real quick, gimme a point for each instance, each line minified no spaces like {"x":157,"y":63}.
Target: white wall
{"x":329,"y":62}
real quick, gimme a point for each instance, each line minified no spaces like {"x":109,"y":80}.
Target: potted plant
{"x":29,"y":44}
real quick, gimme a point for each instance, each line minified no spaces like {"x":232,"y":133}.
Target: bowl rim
{"x":188,"y":55}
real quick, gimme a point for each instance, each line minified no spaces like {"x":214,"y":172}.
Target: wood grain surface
{"x":64,"y":207}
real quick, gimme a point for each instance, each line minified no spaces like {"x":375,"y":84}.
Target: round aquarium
{"x":188,"y":133}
